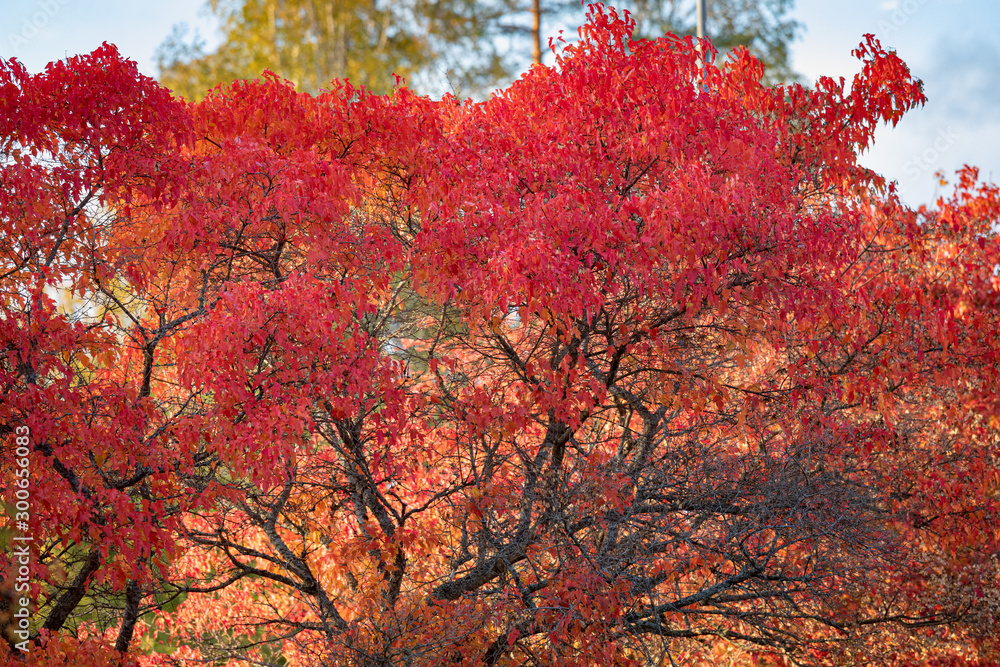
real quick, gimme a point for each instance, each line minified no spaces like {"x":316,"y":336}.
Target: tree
{"x":86,"y":144}
{"x":762,"y":26}
{"x":311,"y":43}
{"x":630,"y":364}
{"x":460,"y":41}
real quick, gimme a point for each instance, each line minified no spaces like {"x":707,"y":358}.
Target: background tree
{"x":468,"y":46}
{"x":762,"y":26}
{"x":311,"y":42}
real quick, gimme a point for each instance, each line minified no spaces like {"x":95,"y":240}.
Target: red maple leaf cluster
{"x":630,"y":364}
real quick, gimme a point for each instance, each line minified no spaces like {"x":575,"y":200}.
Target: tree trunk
{"x":71,"y":596}
{"x":536,"y":32}
{"x":132,"y":598}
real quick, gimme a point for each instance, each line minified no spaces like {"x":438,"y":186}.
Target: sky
{"x":953,"y":46}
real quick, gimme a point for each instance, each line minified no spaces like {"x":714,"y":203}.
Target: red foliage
{"x":630,"y":364}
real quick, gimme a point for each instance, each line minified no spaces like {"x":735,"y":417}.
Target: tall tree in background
{"x":762,"y":26}
{"x":311,"y":42}
{"x":470,"y":46}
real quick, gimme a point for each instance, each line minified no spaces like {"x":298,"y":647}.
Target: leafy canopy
{"x":630,"y":364}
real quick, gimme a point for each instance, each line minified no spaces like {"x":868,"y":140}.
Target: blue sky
{"x":952,"y":45}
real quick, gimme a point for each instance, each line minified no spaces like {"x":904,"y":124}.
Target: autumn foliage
{"x":631,"y":364}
